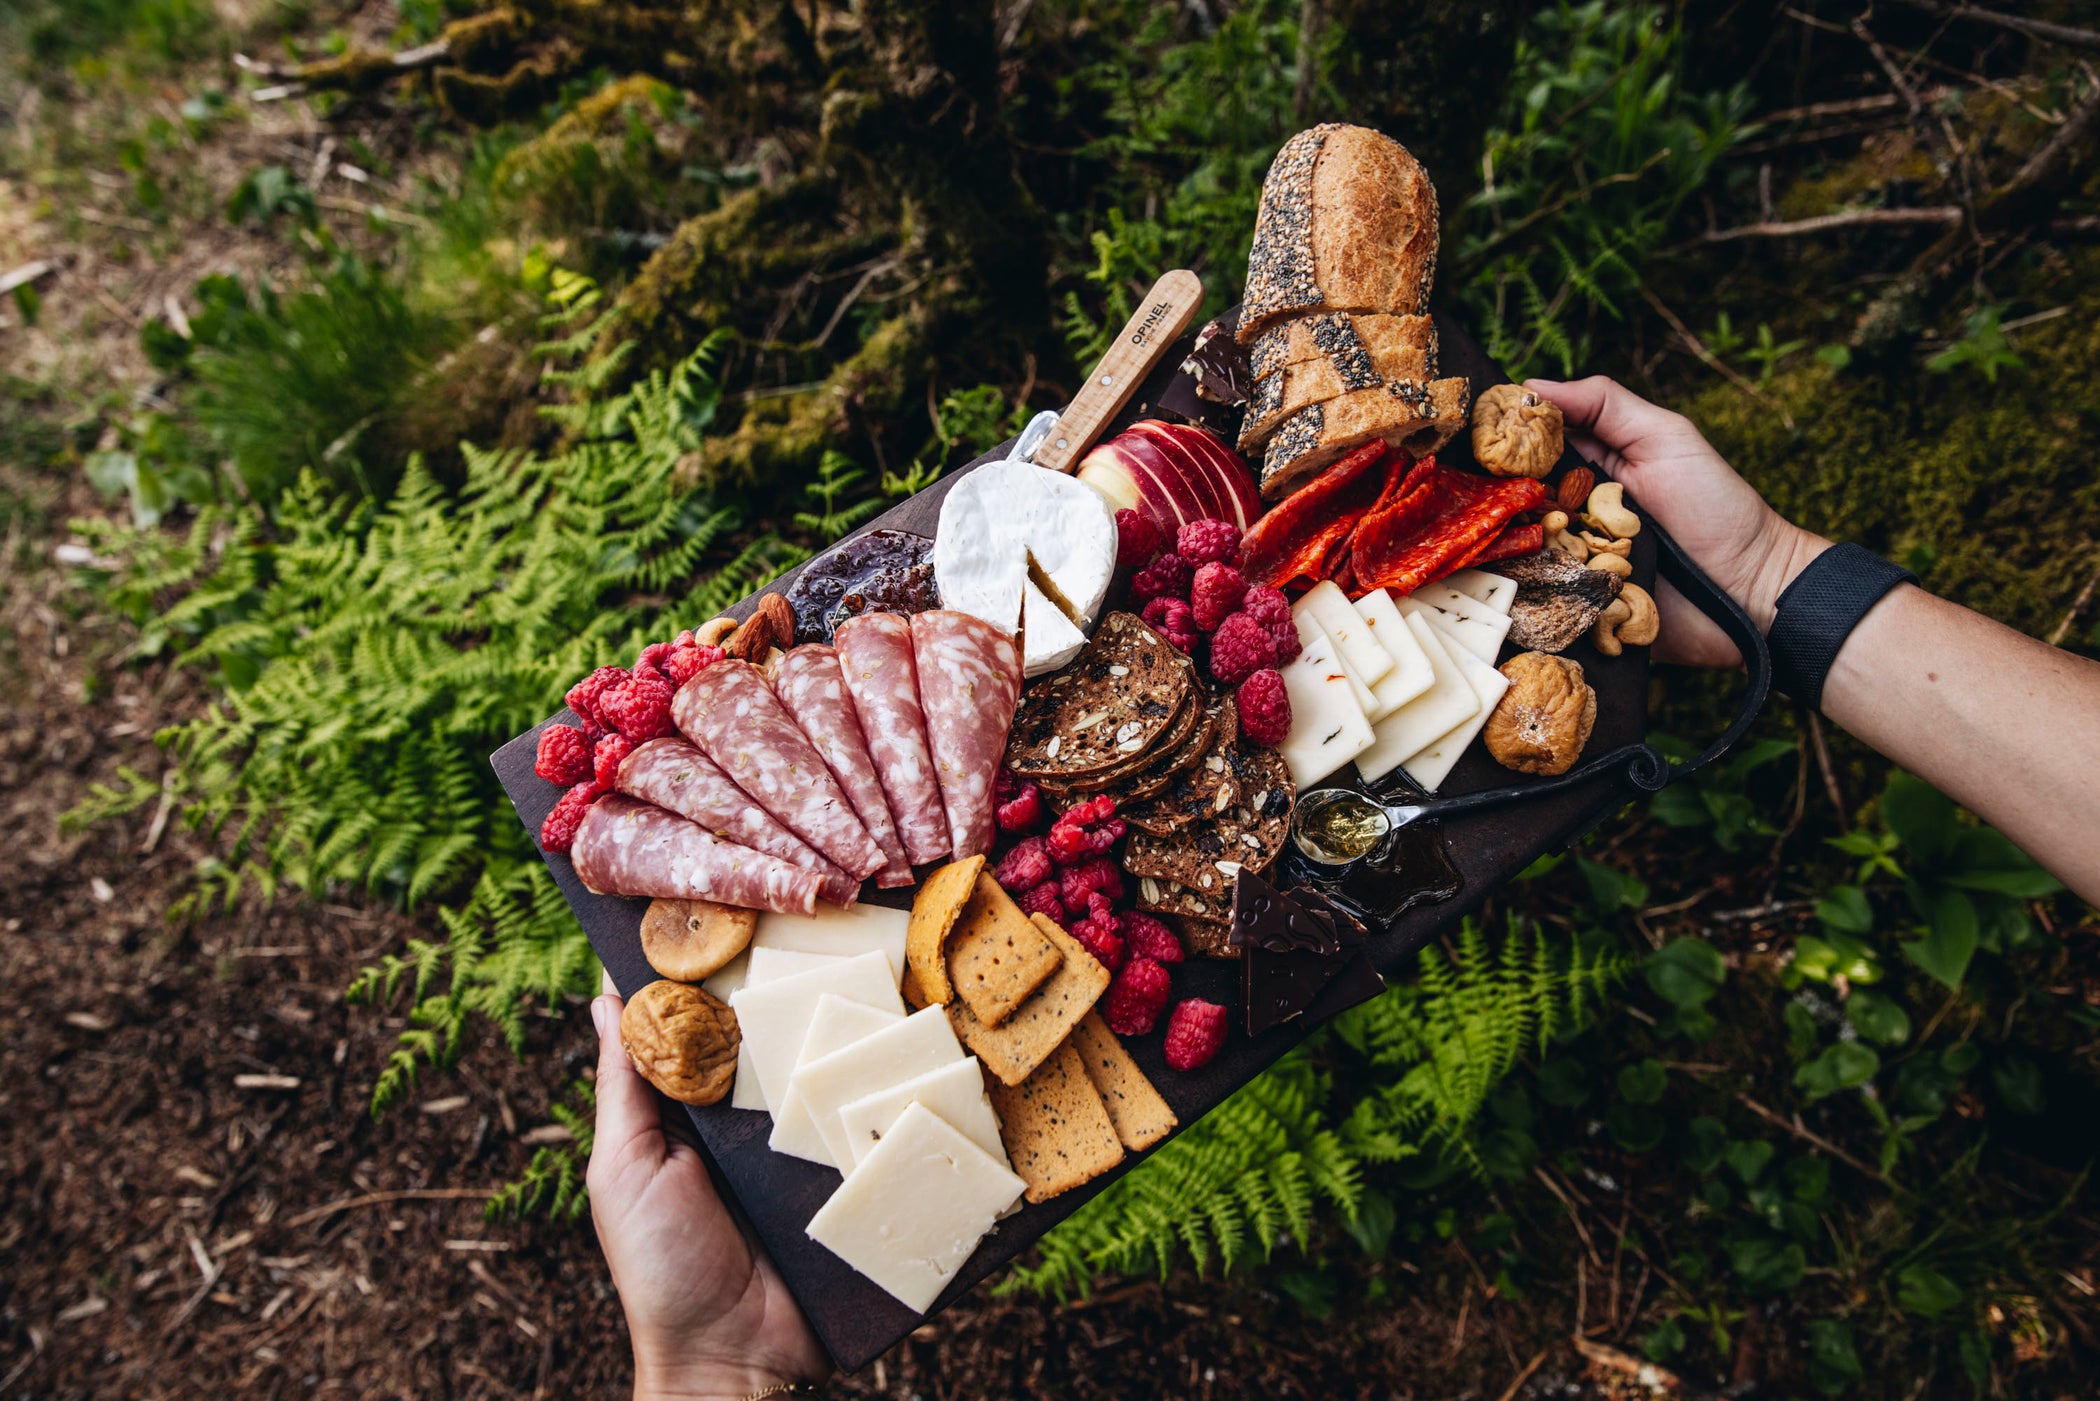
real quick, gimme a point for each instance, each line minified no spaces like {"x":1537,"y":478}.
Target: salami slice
{"x":1438,"y":519}
{"x":625,"y":847}
{"x":675,"y":776}
{"x":730,"y":712}
{"x":875,"y":653}
{"x":811,"y":685}
{"x":969,"y":683}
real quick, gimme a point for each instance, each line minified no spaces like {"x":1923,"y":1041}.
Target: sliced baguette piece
{"x":1417,"y":419}
{"x":1323,"y":335}
{"x":1296,"y":387}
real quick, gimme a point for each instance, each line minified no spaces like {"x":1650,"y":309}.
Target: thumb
{"x":628,"y":1123}
{"x":1619,"y":419}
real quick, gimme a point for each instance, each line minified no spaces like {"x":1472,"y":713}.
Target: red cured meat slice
{"x":675,"y":776}
{"x":625,"y":847}
{"x":732,"y":714}
{"x":1514,"y":540}
{"x":969,"y":683}
{"x":812,"y":686}
{"x":1437,"y":520}
{"x":1296,"y":539}
{"x":875,"y":653}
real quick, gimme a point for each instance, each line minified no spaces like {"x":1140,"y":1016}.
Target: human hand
{"x":1675,"y":476}
{"x":707,"y":1313}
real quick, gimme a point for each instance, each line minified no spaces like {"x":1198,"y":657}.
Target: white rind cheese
{"x":1448,"y":702}
{"x":1346,"y":628}
{"x":1048,"y":639}
{"x":1495,"y":590}
{"x":1432,"y":766}
{"x":1411,"y":673}
{"x":955,"y":1092}
{"x":1002,"y":516}
{"x":1328,"y":727}
{"x":915,"y":1208}
{"x":1463,"y":619}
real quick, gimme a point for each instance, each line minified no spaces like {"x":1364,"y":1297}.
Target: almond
{"x":771,"y":624}
{"x":1575,"y":488}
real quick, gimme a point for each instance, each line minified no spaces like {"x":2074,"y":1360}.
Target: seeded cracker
{"x":934,"y":911}
{"x":1186,"y":721}
{"x":1205,"y":789}
{"x":1115,"y":700}
{"x":1171,"y":764}
{"x":1140,"y":1116}
{"x":1056,"y":1130}
{"x":1012,"y":1050}
{"x":996,"y":955}
{"x":1206,"y":854}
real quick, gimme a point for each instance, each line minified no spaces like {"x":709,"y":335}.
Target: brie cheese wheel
{"x":1497,"y":591}
{"x":1448,"y":702}
{"x":1009,"y":524}
{"x":1328,"y":727}
{"x":1346,"y":629}
{"x":1411,"y":674}
{"x":1461,"y":618}
{"x":1432,"y":766}
{"x":1048,"y":637}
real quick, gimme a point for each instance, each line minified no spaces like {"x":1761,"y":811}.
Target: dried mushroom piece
{"x":1545,"y":717}
{"x":687,"y":940}
{"x":1515,"y":432}
{"x":683,"y":1040}
{"x":1558,"y":599}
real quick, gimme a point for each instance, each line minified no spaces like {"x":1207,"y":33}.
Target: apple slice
{"x":1172,"y":474}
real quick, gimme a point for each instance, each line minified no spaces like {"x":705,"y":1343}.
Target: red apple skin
{"x":1200,"y":498}
{"x":1226,"y":484}
{"x":1128,"y":466}
{"x":1172,"y":474}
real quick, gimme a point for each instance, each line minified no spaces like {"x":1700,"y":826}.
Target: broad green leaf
{"x":1644,"y":1081}
{"x":1924,"y":1290}
{"x":1833,"y":1361}
{"x":1922,"y":817}
{"x":1950,"y":938}
{"x":1748,"y":1157}
{"x":1845,"y":909}
{"x":2018,"y":1082}
{"x":1686,"y":972}
{"x":1610,"y":888}
{"x":1702,"y":1149}
{"x":1842,"y":1065}
{"x":1767,"y":1264}
{"x":1839,"y":956}
{"x":1880,"y":1019}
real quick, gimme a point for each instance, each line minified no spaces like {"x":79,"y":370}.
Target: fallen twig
{"x":2042,"y":29}
{"x":381,"y":1198}
{"x":1844,"y":219}
{"x":1626,"y":1365}
{"x":1510,"y":1393}
{"x":2078,"y":605}
{"x":1809,"y":1136}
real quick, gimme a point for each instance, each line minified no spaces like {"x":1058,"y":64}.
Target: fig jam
{"x":883,"y":571}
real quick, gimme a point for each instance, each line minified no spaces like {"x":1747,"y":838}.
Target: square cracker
{"x":1056,"y":1130}
{"x":996,"y":955}
{"x":934,"y":911}
{"x":1140,"y":1116}
{"x":1013,"y":1049}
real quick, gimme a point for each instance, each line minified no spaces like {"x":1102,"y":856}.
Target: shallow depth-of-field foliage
{"x":1803,"y":1039}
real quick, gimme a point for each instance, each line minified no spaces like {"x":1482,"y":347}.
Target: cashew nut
{"x":713,"y":633}
{"x":1629,"y":619}
{"x":1612,"y":564}
{"x":1607,"y":511}
{"x":1600,"y":545}
{"x":1558,"y":538}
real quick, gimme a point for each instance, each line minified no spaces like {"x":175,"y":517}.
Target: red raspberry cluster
{"x":1068,"y":869}
{"x":620,"y":707}
{"x":1193,"y":591}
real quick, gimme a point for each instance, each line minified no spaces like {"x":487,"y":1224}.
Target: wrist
{"x":1787,"y":550}
{"x":658,"y":1380}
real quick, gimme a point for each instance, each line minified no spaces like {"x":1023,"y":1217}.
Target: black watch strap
{"x":1817,"y":612}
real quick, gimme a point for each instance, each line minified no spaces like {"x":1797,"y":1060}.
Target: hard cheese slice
{"x":955,"y":1092}
{"x":737,"y":974}
{"x":839,"y":932}
{"x":1411,"y":674}
{"x":774,"y":1017}
{"x":1419,"y":723}
{"x":921,"y":1042}
{"x":1346,"y":628}
{"x":1432,"y":765}
{"x":1465,"y":620}
{"x":915,"y":1207}
{"x":1497,"y":591}
{"x":771,"y":965}
{"x":837,"y":1024}
{"x":1328,"y":727}
{"x":1359,"y":689}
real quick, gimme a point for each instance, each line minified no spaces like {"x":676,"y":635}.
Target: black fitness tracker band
{"x":1817,"y":612}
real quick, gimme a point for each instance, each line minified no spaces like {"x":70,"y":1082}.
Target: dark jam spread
{"x":883,"y":571}
{"x":1293,"y":944}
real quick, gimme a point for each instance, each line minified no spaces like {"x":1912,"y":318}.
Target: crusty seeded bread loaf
{"x":1348,"y":222}
{"x":1417,"y":419}
{"x":1323,"y":335}
{"x":1349,"y":363}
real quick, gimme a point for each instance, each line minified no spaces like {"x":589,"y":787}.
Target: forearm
{"x":2007,"y":726}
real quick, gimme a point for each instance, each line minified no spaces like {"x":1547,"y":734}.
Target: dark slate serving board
{"x":855,"y":1319}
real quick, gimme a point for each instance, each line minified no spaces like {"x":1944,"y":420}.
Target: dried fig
{"x":683,"y":1040}
{"x":1544,"y":718}
{"x":688,"y":940}
{"x":1515,"y":432}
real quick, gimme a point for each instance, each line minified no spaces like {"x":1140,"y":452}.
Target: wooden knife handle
{"x":1151,"y":331}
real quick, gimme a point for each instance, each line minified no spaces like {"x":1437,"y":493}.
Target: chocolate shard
{"x":1293,"y":946}
{"x":1558,"y":598}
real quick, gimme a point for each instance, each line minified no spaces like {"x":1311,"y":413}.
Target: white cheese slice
{"x":832,"y":930}
{"x":836,"y":1024}
{"x":1497,"y":591}
{"x":955,"y":1092}
{"x":1306,"y":623}
{"x":1448,"y":702}
{"x":1048,"y":638}
{"x":1432,"y":765}
{"x":771,"y":965}
{"x":1480,"y":632}
{"x":1346,"y":628}
{"x":1411,"y":674}
{"x":773,"y":1017}
{"x":916,"y":1207}
{"x":1328,"y":727}
{"x":1004,"y":519}
{"x":921,"y":1042}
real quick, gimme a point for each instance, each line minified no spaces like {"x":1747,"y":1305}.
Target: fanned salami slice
{"x":811,"y":684}
{"x":1437,"y":520}
{"x":1296,"y":539}
{"x":674,"y":775}
{"x":969,"y":683}
{"x":732,"y":714}
{"x":625,"y":847}
{"x":875,"y":653}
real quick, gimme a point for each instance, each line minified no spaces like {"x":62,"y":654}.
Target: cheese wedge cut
{"x":737,"y":974}
{"x":1346,"y":628}
{"x":915,"y":1208}
{"x":1328,"y":727}
{"x":921,"y":1042}
{"x":955,"y":1092}
{"x":1495,"y":590}
{"x":1449,"y":702}
{"x":774,"y":1017}
{"x":1048,"y":638}
{"x":1432,"y":765}
{"x":837,"y":1023}
{"x":1463,"y":619}
{"x":1411,"y":674}
{"x":1007,"y":521}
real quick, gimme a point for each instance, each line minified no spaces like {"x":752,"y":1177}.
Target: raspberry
{"x":639,"y":707}
{"x":1089,"y":829}
{"x":1020,"y":812}
{"x":1102,"y":942}
{"x":689,"y":659}
{"x":559,"y":830}
{"x":1100,"y":912}
{"x":1175,"y":620}
{"x":1098,"y":876}
{"x":1136,"y":997}
{"x":1239,"y":648}
{"x":1272,"y":610}
{"x":584,"y":695}
{"x":605,"y":759}
{"x":1203,"y":542}
{"x":1194,"y":1032}
{"x":1149,"y":938}
{"x":1025,"y":867}
{"x":1137,"y":538}
{"x":1216,"y":592}
{"x":564,"y":755}
{"x":1168,"y":576}
{"x":653,"y":657}
{"x":1042,"y":901}
{"x":1265,"y":708}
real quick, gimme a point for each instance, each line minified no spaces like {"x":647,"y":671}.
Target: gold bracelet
{"x":783,"y":1389}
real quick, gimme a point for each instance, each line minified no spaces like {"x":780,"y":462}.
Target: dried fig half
{"x":687,"y":940}
{"x":1545,"y":717}
{"x":683,"y":1040}
{"x":1515,"y":432}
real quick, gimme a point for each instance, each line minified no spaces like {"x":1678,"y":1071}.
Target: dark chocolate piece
{"x":1294,"y":945}
{"x":883,"y":571}
{"x":1219,"y":366}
